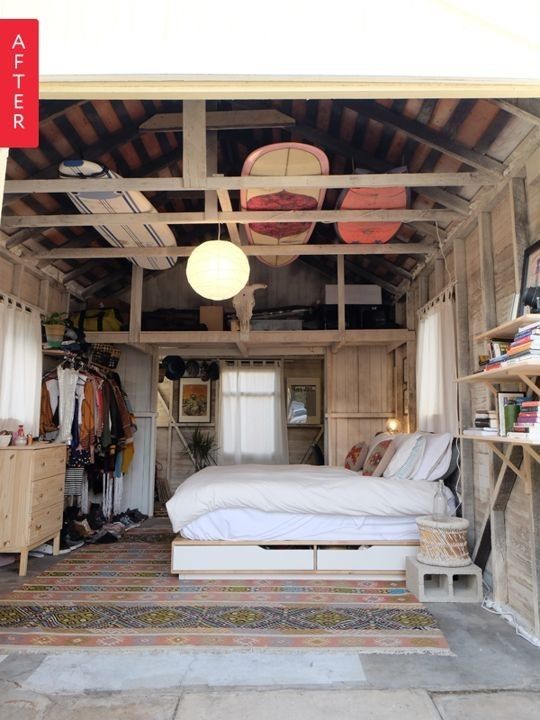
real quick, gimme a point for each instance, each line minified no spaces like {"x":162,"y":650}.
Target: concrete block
{"x":434,"y":583}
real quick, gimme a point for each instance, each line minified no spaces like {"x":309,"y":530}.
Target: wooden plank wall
{"x":519,"y":540}
{"x":28,"y":286}
{"x":297,"y":284}
{"x":359,"y":397}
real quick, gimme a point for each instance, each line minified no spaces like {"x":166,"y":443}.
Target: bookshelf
{"x":515,"y":458}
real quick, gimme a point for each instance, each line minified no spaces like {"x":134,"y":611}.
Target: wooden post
{"x":194,"y":143}
{"x":135,"y":308}
{"x":497,"y":520}
{"x":16,"y":282}
{"x":341,"y":292}
{"x":519,"y":222}
{"x":464,"y":392}
{"x":210,"y":196}
{"x":487,"y":270}
{"x":411,"y":308}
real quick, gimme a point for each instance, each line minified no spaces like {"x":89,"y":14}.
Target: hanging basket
{"x":55,"y":334}
{"x":104,"y":356}
{"x":443,"y":542}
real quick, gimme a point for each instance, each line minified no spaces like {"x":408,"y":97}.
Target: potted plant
{"x":202,"y":447}
{"x":54,"y":328}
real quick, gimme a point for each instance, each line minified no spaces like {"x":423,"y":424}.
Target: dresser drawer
{"x":49,"y":462}
{"x":45,"y":523}
{"x":47,"y":491}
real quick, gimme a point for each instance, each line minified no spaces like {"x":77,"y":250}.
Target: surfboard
{"x":371,"y":198}
{"x":289,"y":158}
{"x":120,"y":201}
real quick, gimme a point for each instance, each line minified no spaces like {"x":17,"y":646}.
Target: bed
{"x":310,"y":519}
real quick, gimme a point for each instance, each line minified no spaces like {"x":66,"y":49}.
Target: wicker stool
{"x":443,"y":542}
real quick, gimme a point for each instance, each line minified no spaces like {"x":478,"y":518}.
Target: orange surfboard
{"x":371,"y":198}
{"x":280,"y":159}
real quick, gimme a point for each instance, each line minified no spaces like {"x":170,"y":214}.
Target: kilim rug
{"x":123,"y":596}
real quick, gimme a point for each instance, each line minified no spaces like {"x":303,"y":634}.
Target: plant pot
{"x":55,"y":334}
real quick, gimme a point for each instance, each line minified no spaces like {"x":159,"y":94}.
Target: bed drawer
{"x":228,"y":558}
{"x":366,"y":557}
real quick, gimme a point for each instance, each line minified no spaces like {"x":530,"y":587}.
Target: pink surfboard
{"x":371,"y":198}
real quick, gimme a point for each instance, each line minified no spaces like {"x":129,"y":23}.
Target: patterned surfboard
{"x":281,"y":159}
{"x":120,"y":201}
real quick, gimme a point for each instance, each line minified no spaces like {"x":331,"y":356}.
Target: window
{"x":252,"y":415}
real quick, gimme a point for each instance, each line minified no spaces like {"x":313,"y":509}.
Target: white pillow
{"x":437,"y":456}
{"x":407,"y":458}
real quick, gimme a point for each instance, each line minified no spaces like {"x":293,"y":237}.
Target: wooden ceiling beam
{"x":250,"y":250}
{"x":105,"y":282}
{"x":81,"y":270}
{"x":220,"y":182}
{"x":524,"y":108}
{"x":242,"y":217}
{"x":220,"y":120}
{"x":427,"y":136}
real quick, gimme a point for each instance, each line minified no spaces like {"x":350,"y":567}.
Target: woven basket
{"x":104,"y":356}
{"x":443,"y":542}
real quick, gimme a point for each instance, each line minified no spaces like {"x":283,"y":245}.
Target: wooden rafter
{"x":427,"y":136}
{"x":524,"y":108}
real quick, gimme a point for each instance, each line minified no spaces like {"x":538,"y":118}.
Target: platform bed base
{"x":194,"y":557}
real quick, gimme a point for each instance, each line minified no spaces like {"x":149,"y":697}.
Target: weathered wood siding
{"x":359,"y":397}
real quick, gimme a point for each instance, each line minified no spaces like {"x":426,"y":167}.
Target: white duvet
{"x":297,"y":489}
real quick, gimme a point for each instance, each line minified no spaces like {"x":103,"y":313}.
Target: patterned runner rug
{"x":122,"y":595}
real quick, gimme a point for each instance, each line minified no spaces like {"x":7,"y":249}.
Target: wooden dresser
{"x":31,"y":497}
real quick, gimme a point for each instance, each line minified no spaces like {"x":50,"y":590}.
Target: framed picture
{"x":530,"y":279}
{"x":194,"y":401}
{"x":303,"y":401}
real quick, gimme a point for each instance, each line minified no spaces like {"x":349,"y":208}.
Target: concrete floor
{"x":493,"y":673}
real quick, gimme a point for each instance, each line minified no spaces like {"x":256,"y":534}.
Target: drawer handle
{"x":43,"y":463}
{"x":38,"y":527}
{"x":40,"y":496}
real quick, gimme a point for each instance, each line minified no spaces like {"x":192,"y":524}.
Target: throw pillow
{"x":407,"y":458}
{"x":436,"y":457}
{"x":378,"y":458}
{"x":356,"y":457}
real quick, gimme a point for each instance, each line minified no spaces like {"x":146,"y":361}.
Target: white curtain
{"x":436,"y":388}
{"x":20,"y":366}
{"x":253,"y":426}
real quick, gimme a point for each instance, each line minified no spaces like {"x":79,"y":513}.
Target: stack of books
{"x":498,"y":350}
{"x":526,"y":344}
{"x":486,"y":422}
{"x":527,"y":425}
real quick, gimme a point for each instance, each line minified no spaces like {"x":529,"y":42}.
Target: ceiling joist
{"x":256,"y":250}
{"x":241,"y":217}
{"x":148,"y":184}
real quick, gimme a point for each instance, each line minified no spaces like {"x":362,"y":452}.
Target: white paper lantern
{"x":217,"y":269}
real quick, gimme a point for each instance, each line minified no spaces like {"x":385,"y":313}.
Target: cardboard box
{"x":355,"y":294}
{"x":211,"y":316}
